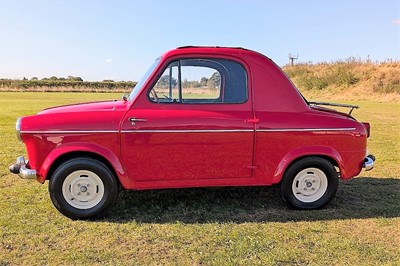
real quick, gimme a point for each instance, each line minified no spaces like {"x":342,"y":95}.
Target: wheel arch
{"x":78,"y":154}
{"x":292,"y":157}
{"x":61,"y":154}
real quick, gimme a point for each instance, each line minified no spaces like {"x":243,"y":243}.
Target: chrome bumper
{"x":369,"y":162}
{"x":21,"y":168}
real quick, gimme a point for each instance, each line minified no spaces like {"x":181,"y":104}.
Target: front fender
{"x":301,"y":152}
{"x":83,"y":147}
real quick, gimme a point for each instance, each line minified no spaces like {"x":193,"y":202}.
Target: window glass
{"x":201,"y":81}
{"x":144,"y":78}
{"x":166,"y":88}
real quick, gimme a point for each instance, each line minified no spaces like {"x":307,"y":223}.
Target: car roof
{"x":218,"y":47}
{"x":213,"y":50}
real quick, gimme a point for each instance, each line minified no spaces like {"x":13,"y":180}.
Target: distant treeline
{"x":70,"y":83}
{"x":381,"y":77}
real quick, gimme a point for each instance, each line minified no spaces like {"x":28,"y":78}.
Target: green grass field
{"x":214,"y":226}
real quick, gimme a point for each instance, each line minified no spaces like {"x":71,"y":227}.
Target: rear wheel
{"x":83,"y":188}
{"x":309,"y":183}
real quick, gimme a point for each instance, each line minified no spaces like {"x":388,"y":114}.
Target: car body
{"x":200,"y":117}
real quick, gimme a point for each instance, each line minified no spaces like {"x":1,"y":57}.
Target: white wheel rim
{"x":310,"y":185}
{"x":83,"y":189}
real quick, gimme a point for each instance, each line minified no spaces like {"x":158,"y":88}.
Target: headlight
{"x":18,"y":128}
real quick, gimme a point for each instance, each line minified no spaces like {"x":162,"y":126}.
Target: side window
{"x":166,"y":88}
{"x":200,"y":81}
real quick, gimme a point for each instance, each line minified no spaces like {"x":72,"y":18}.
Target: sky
{"x":119,"y":40}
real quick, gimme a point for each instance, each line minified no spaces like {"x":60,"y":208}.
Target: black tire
{"x":309,"y":183}
{"x":83,"y":188}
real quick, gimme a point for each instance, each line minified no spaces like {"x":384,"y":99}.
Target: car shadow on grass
{"x":359,"y":198}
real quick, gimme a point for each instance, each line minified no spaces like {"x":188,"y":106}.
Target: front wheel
{"x":83,"y":188}
{"x":309,"y":183}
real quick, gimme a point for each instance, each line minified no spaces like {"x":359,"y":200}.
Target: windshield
{"x":143,"y":80}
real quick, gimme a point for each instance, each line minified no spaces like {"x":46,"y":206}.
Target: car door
{"x":192,"y":125}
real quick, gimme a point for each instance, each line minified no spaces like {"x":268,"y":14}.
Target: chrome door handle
{"x":135,"y":119}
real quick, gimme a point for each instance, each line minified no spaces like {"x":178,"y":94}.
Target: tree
{"x":164,"y":81}
{"x":72,"y":78}
{"x":34,"y":78}
{"x":203,"y":81}
{"x":214,"y":81}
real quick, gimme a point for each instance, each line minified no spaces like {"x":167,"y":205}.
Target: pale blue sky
{"x":99,"y":40}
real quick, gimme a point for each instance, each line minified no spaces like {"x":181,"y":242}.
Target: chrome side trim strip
{"x":305,"y":129}
{"x":185,"y":130}
{"x":188,"y":131}
{"x":68,"y":131}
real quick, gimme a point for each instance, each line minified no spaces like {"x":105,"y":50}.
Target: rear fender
{"x":302,"y":152}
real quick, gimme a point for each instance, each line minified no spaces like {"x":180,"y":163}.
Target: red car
{"x":200,"y":117}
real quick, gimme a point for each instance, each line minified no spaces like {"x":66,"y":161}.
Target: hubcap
{"x":83,"y":189}
{"x":310,"y":185}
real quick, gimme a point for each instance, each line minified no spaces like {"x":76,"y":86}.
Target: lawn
{"x":214,"y":226}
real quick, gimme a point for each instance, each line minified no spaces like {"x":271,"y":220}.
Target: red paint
{"x":192,"y":145}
